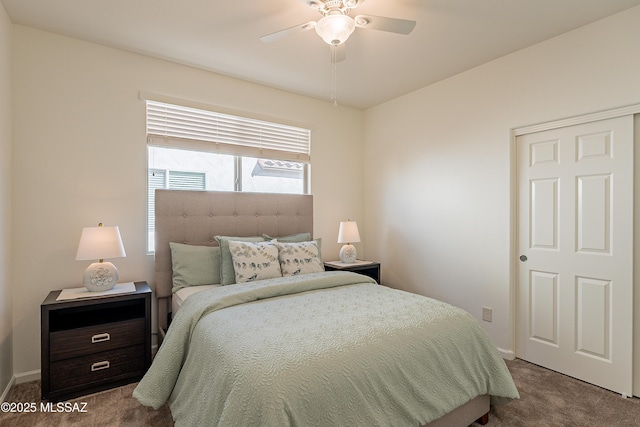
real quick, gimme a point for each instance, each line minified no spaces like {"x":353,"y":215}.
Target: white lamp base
{"x":100,"y":276}
{"x":348,"y":254}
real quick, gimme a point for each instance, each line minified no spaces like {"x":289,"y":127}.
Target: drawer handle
{"x":100,"y":338}
{"x":98,"y":366}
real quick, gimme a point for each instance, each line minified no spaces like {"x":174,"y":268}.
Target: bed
{"x":321,"y":348}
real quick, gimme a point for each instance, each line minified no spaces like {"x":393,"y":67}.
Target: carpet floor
{"x":546,"y":399}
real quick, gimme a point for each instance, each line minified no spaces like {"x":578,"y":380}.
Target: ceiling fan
{"x":336,"y":24}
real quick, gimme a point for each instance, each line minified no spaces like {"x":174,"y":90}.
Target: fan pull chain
{"x":334,"y":69}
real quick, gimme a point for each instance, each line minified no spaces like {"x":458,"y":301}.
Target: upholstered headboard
{"x":195,"y":217}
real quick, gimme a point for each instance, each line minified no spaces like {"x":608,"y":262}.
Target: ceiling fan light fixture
{"x":335,"y":29}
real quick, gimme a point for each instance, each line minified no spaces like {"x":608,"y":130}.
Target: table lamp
{"x":100,"y":243}
{"x":348,"y":234}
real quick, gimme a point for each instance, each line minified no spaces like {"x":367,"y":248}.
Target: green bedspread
{"x":323,"y":349}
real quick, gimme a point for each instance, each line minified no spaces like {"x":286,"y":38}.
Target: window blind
{"x":178,"y":180}
{"x":156,"y":179}
{"x":196,"y":129}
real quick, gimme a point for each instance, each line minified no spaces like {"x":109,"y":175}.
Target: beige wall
{"x":6,"y":348}
{"x":438,"y":163}
{"x":80,"y":159}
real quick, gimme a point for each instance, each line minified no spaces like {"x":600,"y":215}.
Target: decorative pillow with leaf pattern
{"x":299,"y":258}
{"x":254,"y":261}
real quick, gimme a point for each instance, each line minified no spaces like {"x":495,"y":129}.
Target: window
{"x":193,"y":149}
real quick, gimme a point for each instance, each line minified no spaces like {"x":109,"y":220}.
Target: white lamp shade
{"x":348,"y":232}
{"x":100,"y":243}
{"x":335,"y":29}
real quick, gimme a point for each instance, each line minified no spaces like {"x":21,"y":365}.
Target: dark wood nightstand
{"x":368,"y":268}
{"x":94,"y":343}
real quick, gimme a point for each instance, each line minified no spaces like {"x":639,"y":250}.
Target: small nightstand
{"x":368,"y":268}
{"x":95,"y":343}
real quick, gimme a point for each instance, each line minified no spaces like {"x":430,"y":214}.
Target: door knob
{"x":523,"y":258}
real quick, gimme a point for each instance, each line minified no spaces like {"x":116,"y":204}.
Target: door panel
{"x":575,"y":228}
{"x":544,"y":213}
{"x":593,"y":299}
{"x":593,"y":214}
{"x":544,"y":307}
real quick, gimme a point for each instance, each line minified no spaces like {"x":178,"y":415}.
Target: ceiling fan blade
{"x":381,"y":23}
{"x":338,"y":53}
{"x":269,"y":38}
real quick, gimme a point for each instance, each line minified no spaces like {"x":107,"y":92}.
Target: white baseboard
{"x":507,"y":354}
{"x":7,"y":390}
{"x":21,"y":378}
{"x":26,"y":377}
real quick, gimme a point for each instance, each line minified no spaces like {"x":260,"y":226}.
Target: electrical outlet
{"x":487,"y":314}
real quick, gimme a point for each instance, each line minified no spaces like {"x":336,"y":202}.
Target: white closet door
{"x":575,"y":241}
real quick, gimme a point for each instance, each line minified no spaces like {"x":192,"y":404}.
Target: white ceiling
{"x":451,"y":36}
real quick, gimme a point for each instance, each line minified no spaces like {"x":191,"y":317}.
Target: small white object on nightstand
{"x":76,"y":293}
{"x":348,"y":234}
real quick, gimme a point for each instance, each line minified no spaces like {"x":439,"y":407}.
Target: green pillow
{"x":227,"y":272}
{"x":292,"y":238}
{"x":194,"y":265}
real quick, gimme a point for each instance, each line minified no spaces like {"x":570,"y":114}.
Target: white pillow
{"x":299,"y":258}
{"x":254,"y":260}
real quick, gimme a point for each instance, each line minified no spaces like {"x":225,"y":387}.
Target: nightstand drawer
{"x":107,"y":365}
{"x":93,"y":339}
